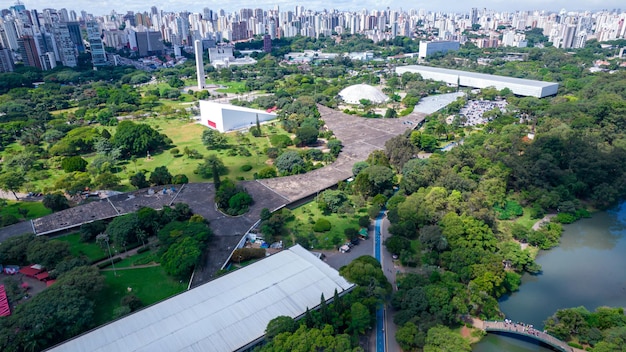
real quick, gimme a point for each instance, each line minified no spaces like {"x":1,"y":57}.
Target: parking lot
{"x":337,"y":259}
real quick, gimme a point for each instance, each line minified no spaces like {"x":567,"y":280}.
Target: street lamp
{"x":104,"y":237}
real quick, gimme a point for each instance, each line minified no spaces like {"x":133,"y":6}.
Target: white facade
{"x":429,"y":48}
{"x":224,"y":117}
{"x":519,"y":86}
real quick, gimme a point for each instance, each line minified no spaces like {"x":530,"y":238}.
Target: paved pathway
{"x":546,"y":219}
{"x":522,"y":329}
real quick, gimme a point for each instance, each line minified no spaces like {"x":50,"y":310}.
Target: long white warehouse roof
{"x":225,"y":314}
{"x":519,"y":86}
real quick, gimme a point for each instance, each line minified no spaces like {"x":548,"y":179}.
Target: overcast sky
{"x":101,"y":7}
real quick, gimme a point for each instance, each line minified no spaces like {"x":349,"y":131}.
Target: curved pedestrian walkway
{"x":521,"y":329}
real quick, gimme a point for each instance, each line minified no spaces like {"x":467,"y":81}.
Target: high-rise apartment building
{"x":6,"y":60}
{"x":98,"y":55}
{"x":28,"y":51}
{"x":66,"y":50}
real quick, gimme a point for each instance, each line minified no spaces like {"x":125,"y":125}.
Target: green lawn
{"x":328,"y":240}
{"x":525,"y":219}
{"x":189,"y":134}
{"x":137,"y":259}
{"x":92,"y":250}
{"x":35,"y":209}
{"x":232,"y":87}
{"x":151,"y":285}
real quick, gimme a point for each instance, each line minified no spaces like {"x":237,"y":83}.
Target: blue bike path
{"x":380,"y":312}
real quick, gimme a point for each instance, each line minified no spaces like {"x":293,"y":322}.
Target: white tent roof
{"x":353,"y":94}
{"x":225,"y":314}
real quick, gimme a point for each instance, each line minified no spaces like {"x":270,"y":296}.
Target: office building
{"x":430,"y":48}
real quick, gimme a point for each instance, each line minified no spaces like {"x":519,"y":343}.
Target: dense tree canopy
{"x":137,"y":139}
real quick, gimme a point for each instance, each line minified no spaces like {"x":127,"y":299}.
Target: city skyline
{"x":456,"y":6}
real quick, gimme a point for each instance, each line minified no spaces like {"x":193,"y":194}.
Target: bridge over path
{"x":524,"y":330}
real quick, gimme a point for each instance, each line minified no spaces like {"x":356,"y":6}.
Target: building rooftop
{"x":355,"y":93}
{"x":484,"y":76}
{"x":226,"y":314}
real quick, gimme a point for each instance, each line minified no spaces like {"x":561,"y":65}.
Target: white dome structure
{"x":353,"y":94}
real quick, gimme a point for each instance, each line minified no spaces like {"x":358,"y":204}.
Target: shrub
{"x":9,"y":219}
{"x":322,"y":225}
{"x":174,"y":151}
{"x":180,"y":179}
{"x":246,"y":167}
{"x":243,"y":254}
{"x":565,"y":218}
{"x":272,"y":153}
{"x":74,"y":163}
{"x":364,"y":221}
{"x":281,"y":141}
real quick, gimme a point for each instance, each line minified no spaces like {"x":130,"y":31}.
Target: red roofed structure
{"x":32,"y":270}
{"x":4,"y":303}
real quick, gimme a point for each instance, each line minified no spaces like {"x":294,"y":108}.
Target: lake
{"x":585,"y":270}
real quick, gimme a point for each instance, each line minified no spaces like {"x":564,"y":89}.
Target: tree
{"x":397,"y":244}
{"x":122,"y":230}
{"x":12,"y":181}
{"x":391,"y":113}
{"x":74,"y":163}
{"x":238,"y":204}
{"x":364,"y":221}
{"x":361,"y":318}
{"x":307,"y":135}
{"x":358,"y":167}
{"x":332,"y":201}
{"x":161,"y":176}
{"x":214,"y":139}
{"x":289,"y":163}
{"x":13,"y":249}
{"x":409,"y":337}
{"x":335,"y":147}
{"x":55,"y":202}
{"x":180,"y":179}
{"x":136,"y":139}
{"x":89,"y":230}
{"x":47,"y":253}
{"x":180,"y":259}
{"x":442,"y":339}
{"x":139,"y":180}
{"x":280,"y":325}
{"x":107,"y":180}
{"x":213,"y":167}
{"x":399,"y":150}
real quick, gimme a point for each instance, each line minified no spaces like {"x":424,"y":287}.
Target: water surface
{"x":587,"y":269}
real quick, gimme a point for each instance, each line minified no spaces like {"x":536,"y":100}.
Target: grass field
{"x":137,"y":259}
{"x":91,"y":250}
{"x":309,"y":212}
{"x":151,"y":285}
{"x":35,"y":209}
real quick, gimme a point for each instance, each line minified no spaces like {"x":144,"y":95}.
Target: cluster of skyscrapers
{"x":48,"y":37}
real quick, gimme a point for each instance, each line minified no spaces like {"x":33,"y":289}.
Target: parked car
{"x":355,"y":241}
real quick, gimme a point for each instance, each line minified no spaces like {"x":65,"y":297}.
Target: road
{"x":386,"y":328}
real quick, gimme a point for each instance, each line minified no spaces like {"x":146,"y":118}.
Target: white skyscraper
{"x":197,"y":45}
